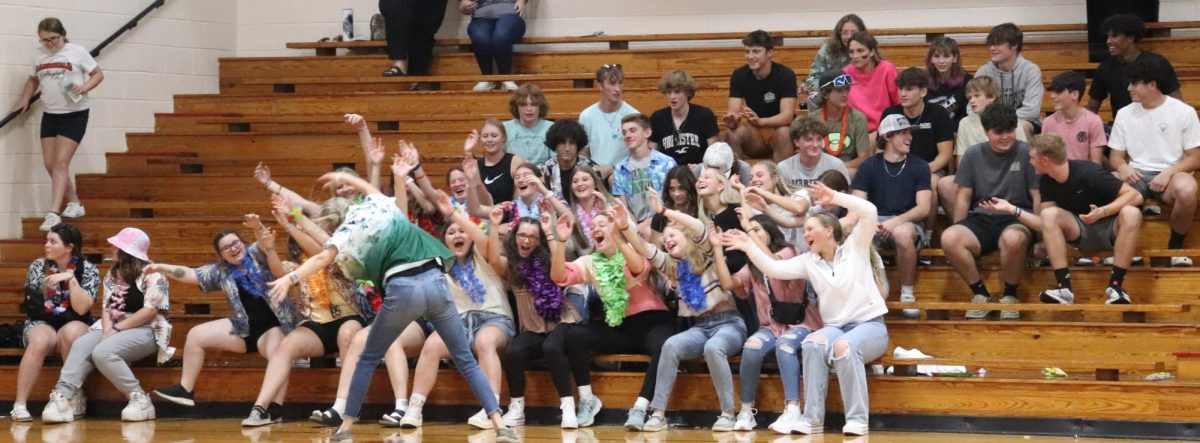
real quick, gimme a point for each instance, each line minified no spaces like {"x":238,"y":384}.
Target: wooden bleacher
{"x":192,"y":177}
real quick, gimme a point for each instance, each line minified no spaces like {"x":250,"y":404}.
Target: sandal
{"x":393,"y":71}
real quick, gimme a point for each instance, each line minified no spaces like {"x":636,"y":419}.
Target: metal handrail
{"x":132,"y":23}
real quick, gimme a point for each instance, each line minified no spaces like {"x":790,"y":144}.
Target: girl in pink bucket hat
{"x":132,"y":326}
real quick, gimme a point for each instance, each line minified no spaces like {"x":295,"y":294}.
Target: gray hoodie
{"x":1021,"y":87}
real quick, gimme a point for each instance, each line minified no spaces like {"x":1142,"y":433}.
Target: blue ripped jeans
{"x":785,"y":348}
{"x":864,"y":342}
{"x":405,"y":299}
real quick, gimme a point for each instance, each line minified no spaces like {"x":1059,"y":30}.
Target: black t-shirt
{"x":1087,"y":184}
{"x":258,"y":311}
{"x":498,"y":179}
{"x":1110,"y":79}
{"x":726,"y":220}
{"x":933,"y":126}
{"x":892,"y":187}
{"x":953,"y":100}
{"x":687,"y":143}
{"x":763,"y":96}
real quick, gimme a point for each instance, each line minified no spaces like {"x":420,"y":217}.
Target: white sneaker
{"x":79,"y":404}
{"x":854,"y":428}
{"x":979,"y":314}
{"x":50,"y":221}
{"x":20,"y":413}
{"x":569,"y":419}
{"x":139,"y":408}
{"x":1152,"y":210}
{"x":1177,"y":262}
{"x":910,"y":298}
{"x":1109,"y":261}
{"x":509,"y":85}
{"x":787,"y":422}
{"x":484,"y":86}
{"x":480,"y":420}
{"x":804,"y":427}
{"x":74,"y":210}
{"x":745,"y":420}
{"x":58,"y":409}
{"x":410,"y":420}
{"x":1116,"y":296}
{"x":1084,"y":261}
{"x":1007,"y":314}
{"x":1058,"y":295}
{"x":514,"y":416}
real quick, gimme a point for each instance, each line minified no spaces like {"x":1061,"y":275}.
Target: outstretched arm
{"x":281,"y":286}
{"x":262,"y":173}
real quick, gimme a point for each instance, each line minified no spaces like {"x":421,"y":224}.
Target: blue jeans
{"x":764,"y":344}
{"x":404,"y":300}
{"x":715,"y":336}
{"x":865,"y":342}
{"x":492,"y":40}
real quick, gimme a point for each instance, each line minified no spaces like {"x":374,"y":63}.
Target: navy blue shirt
{"x":892,"y":187}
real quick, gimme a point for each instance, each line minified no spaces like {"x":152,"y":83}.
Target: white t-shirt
{"x":604,"y":133}
{"x":59,"y":72}
{"x":1155,"y":138}
{"x":798,"y":175}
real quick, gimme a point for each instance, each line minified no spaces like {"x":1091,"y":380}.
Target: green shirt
{"x":528,"y":143}
{"x":855,"y":137}
{"x":376,"y":237}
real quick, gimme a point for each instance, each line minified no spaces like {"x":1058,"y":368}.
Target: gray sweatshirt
{"x":1021,"y":87}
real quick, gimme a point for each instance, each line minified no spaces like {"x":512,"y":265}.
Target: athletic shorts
{"x":1097,"y":236}
{"x":71,"y":125}
{"x":988,"y":228}
{"x":328,"y":332}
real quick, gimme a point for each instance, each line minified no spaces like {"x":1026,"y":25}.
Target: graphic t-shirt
{"x":763,"y":95}
{"x":686,"y":143}
{"x":933,"y":126}
{"x":59,"y":72}
{"x":528,"y":143}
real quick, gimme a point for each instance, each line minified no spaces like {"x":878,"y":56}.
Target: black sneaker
{"x":275,"y":412}
{"x":392,"y":419}
{"x":328,"y":417}
{"x":176,"y":394}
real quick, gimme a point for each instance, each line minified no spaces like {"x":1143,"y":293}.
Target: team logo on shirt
{"x":1014,"y":167}
{"x":54,"y":67}
{"x":1162,"y":128}
{"x":1081,"y":137}
{"x":769,"y":97}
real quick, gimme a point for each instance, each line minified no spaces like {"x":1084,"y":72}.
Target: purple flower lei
{"x":547,"y":296}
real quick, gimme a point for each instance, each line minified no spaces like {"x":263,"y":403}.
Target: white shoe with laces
{"x":515,"y":416}
{"x":787,"y":422}
{"x":745,"y":420}
{"x":1181,"y":262}
{"x":509,"y":85}
{"x":20,"y":413}
{"x":484,"y":86}
{"x":1062,"y":296}
{"x":480,"y":420}
{"x":1116,"y":296}
{"x":58,"y":409}
{"x":74,"y":210}
{"x":139,"y":408}
{"x":51,"y":220}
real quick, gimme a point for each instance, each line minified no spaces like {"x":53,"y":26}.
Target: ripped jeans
{"x":864,"y":342}
{"x":785,"y":348}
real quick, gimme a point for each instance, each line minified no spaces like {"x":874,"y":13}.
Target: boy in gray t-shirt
{"x":810,"y":161}
{"x":991,"y":176}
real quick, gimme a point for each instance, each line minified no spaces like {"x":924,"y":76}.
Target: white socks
{"x":906,"y":290}
{"x":339,"y":405}
{"x":401,"y":404}
{"x":415,"y":403}
{"x":585,"y":391}
{"x":516,"y":404}
{"x":567,"y":404}
{"x":794,"y":408}
{"x":747,"y":407}
{"x":641,"y":403}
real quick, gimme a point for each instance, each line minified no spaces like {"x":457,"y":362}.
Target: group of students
{"x":566,"y":223}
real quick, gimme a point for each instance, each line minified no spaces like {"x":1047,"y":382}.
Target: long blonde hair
{"x":830,"y":221}
{"x":729,"y":196}
{"x":694,"y":256}
{"x":782,"y":187}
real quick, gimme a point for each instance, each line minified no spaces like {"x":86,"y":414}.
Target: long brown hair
{"x":128,"y":268}
{"x":953,"y":79}
{"x":834,"y":42}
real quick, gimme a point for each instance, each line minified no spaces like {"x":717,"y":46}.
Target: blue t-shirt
{"x":604,"y":133}
{"x":892,"y":187}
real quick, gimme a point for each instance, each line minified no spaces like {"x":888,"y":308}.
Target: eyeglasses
{"x":232,"y":246}
{"x":50,"y":40}
{"x":840,"y":81}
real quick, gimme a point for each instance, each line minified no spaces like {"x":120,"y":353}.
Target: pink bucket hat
{"x":133,"y":241}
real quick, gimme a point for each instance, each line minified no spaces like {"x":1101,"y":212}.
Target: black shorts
{"x":988,"y":228}
{"x":328,"y":332}
{"x":71,"y":125}
{"x":256,"y":331}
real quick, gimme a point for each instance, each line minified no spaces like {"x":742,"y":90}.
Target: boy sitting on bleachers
{"x":1079,"y":128}
{"x":763,"y":94}
{"x":602,"y":119}
{"x":1124,"y":31}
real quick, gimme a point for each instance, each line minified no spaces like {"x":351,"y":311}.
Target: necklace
{"x":612,"y":123}
{"x":897,"y":174}
{"x":841,"y":143}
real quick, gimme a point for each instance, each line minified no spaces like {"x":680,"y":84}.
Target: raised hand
{"x":735,"y":239}
{"x":445,"y":206}
{"x":654,"y":200}
{"x":620,"y":215}
{"x":375,"y":152}
{"x":357,"y":121}
{"x":471,"y":141}
{"x":470,"y":167}
{"x":281,"y":203}
{"x":251,"y":221}
{"x":714,"y":235}
{"x":821,"y":194}
{"x":262,"y":173}
{"x":496,"y":216}
{"x":563,"y":227}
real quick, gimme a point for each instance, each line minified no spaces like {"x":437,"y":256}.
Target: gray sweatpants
{"x":110,"y":355}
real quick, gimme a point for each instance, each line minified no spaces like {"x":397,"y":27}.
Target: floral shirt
{"x":154,"y":288}
{"x":323,"y":296}
{"x":58,"y":303}
{"x":553,"y":173}
{"x":822,"y":63}
{"x":219,"y":276}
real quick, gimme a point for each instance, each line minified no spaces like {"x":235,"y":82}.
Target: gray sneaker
{"x":659,"y":423}
{"x":258,"y":417}
{"x":1009,"y":315}
{"x":507,"y":435}
{"x":588,"y":408}
{"x":636,"y":420}
{"x":724,"y":423}
{"x":979,"y":314}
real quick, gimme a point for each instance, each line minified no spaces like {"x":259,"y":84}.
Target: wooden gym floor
{"x":229,"y":430}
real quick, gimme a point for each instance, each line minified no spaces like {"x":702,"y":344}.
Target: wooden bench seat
{"x":1077,"y":369}
{"x":1132,"y":313}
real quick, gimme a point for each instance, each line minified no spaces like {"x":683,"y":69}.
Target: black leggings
{"x":410,"y":26}
{"x":563,"y":357}
{"x":643,"y":333}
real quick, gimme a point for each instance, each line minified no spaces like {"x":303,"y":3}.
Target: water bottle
{"x":347,"y":24}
